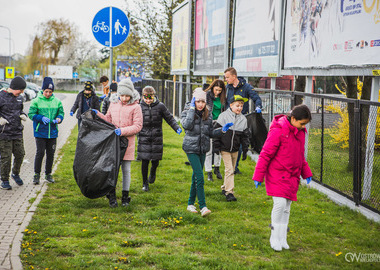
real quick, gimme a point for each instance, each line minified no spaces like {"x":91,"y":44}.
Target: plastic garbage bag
{"x":98,"y":156}
{"x":258,"y":131}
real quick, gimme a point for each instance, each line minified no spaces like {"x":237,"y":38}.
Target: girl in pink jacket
{"x":125,"y":113}
{"x":282,"y":162}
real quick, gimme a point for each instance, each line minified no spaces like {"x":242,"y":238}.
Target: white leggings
{"x":126,"y":169}
{"x":281,"y":210}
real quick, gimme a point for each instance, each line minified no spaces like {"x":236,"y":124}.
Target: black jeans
{"x":43,"y":145}
{"x":145,"y":167}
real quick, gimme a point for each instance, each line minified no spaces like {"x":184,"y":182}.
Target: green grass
{"x":69,"y":231}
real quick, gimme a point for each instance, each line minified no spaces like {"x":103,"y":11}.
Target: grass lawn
{"x":69,"y":231}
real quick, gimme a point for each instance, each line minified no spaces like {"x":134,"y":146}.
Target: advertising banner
{"x":326,"y":33}
{"x":130,"y":69}
{"x":256,"y":37}
{"x":180,"y":53}
{"x":60,"y":72}
{"x":211,"y":24}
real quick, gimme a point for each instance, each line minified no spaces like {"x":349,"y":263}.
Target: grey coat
{"x":198,"y":132}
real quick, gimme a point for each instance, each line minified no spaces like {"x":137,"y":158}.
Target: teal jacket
{"x":49,"y":107}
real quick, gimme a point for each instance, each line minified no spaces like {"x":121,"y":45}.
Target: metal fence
{"x":343,"y":143}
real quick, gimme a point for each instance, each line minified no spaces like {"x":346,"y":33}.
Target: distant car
{"x":34,"y":87}
{"x":29,"y":92}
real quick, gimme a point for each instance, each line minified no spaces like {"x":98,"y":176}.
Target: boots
{"x":209,"y":176}
{"x":152,"y":178}
{"x":125,"y":199}
{"x":112,"y":198}
{"x":283,"y":236}
{"x":217,"y":173}
{"x":275,"y":237}
{"x":36,"y":179}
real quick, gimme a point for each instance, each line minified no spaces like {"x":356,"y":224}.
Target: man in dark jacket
{"x":11,"y":141}
{"x":239,"y":86}
{"x":86,"y":100}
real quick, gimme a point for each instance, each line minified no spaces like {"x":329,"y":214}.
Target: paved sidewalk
{"x":16,"y":211}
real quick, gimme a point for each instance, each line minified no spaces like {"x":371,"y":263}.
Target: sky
{"x":23,"y":16}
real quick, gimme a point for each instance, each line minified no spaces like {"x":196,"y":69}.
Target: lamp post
{"x":10,"y":55}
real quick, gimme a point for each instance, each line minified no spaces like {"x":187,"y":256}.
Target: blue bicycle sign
{"x":110,"y":26}
{"x":100,"y":26}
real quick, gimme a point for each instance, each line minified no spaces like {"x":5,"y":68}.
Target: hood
{"x":281,"y":121}
{"x":228,"y":116}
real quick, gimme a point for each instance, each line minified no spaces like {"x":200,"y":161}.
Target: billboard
{"x":256,"y":37}
{"x":211,"y":35}
{"x":60,"y":72}
{"x":181,"y":31}
{"x":130,"y":69}
{"x":333,"y":33}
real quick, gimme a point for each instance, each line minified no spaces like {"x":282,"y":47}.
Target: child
{"x":86,"y":99}
{"x":150,"y":146}
{"x":46,"y":111}
{"x":282,"y":162}
{"x":126,"y":115}
{"x":215,"y":99}
{"x":112,"y":97}
{"x":228,"y":145}
{"x":197,"y":122}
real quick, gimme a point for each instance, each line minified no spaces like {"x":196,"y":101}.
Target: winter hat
{"x":113,"y":87}
{"x":48,"y":83}
{"x":199,"y":94}
{"x":237,"y":98}
{"x":125,"y":87}
{"x":18,"y":83}
{"x":88,"y":86}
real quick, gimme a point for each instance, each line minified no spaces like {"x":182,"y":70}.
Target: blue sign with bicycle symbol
{"x":110,"y":26}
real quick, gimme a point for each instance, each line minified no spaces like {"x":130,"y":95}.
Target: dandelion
{"x":338,"y":254}
{"x":35,"y":232}
{"x":26,"y":230}
{"x":84,"y":230}
{"x":323,"y":212}
{"x":234,"y":245}
{"x":177,"y":221}
{"x":94,"y":217}
{"x":180,"y":217}
{"x":242,"y":245}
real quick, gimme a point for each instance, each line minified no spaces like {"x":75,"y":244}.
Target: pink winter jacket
{"x":127,"y":117}
{"x":282,"y":159}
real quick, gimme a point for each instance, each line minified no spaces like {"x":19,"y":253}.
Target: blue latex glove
{"x":192,"y":103}
{"x":308,"y":180}
{"x":257,"y":183}
{"x":45,"y":120}
{"x":179,"y":130}
{"x":118,"y":131}
{"x":103,"y":96}
{"x":227,"y":127}
{"x":258,"y":110}
{"x":71,"y":113}
{"x":54,"y":121}
{"x":95,"y":111}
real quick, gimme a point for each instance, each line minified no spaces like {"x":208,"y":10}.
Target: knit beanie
{"x":88,"y":86}
{"x":125,"y":87}
{"x":113,"y":87}
{"x":199,"y":94}
{"x":48,"y":84}
{"x":18,"y":83}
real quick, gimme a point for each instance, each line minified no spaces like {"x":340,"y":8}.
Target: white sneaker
{"x":191,"y":208}
{"x":205,"y":211}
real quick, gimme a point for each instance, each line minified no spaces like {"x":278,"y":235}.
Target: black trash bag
{"x":98,"y":156}
{"x":258,"y":131}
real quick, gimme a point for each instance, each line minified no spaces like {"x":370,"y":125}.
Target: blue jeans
{"x":197,"y":180}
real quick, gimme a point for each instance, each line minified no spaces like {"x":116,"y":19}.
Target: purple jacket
{"x":282,"y":159}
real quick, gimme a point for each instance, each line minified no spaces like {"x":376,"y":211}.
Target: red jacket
{"x":282,"y":159}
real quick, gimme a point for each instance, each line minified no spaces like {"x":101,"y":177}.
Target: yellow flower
{"x":94,"y":217}
{"x":234,"y":245}
{"x":323,"y":212}
{"x":177,"y":221}
{"x":26,"y":230}
{"x":84,"y":230}
{"x":338,"y":254}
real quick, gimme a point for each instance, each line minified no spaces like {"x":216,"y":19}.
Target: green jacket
{"x":49,"y":107}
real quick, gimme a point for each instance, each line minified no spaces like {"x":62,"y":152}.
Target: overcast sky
{"x":23,"y":16}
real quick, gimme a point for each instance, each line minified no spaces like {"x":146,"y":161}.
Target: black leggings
{"x":144,"y":168}
{"x":43,"y":145}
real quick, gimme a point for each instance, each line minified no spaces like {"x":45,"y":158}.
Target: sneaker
{"x":209,"y":176}
{"x":49,"y":178}
{"x":217,"y":173}
{"x":6,"y":185}
{"x":145,"y":187}
{"x":17,"y":179}
{"x":237,"y":171}
{"x":230,"y":197}
{"x":191,"y":208}
{"x":36,"y":179}
{"x":205,"y":211}
{"x":224,"y":192}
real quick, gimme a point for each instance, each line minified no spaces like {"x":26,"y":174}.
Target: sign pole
{"x":111,"y":48}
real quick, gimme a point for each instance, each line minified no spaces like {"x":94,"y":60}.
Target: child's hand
{"x":179,"y":130}
{"x":71,"y":113}
{"x":257,"y":183}
{"x":95,"y":111}
{"x":45,"y":120}
{"x":118,"y":131}
{"x":308,"y":180}
{"x":102,"y":97}
{"x":192,"y":103}
{"x":258,"y":109}
{"x":227,"y":127}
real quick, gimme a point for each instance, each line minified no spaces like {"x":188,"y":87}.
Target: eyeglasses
{"x":148,"y":96}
